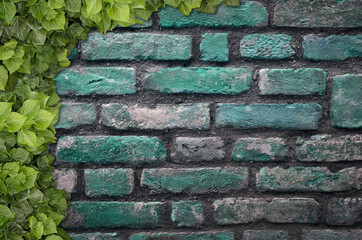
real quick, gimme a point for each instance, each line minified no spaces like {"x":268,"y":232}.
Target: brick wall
{"x":241,"y":125}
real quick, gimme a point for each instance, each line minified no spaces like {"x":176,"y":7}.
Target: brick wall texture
{"x":244,"y":124}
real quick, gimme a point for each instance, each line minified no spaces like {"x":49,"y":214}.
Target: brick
{"x":258,"y":149}
{"x":297,"y":116}
{"x":207,"y":80}
{"x":96,"y":80}
{"x":76,"y":114}
{"x":279,"y":210}
{"x":317,"y":13}
{"x":160,"y":117}
{"x":108,"y":181}
{"x":184,"y":236}
{"x":344,"y":211}
{"x":250,"y":13}
{"x":265,"y":235}
{"x":307,"y":179}
{"x":266,"y":46}
{"x":214,"y":47}
{"x":133,"y":150}
{"x":329,"y":234}
{"x":195,"y":180}
{"x":303,"y":81}
{"x":187,"y":213}
{"x":136,"y":46}
{"x":93,"y":215}
{"x":193,"y":150}
{"x":346,"y":101}
{"x":65,"y":179}
{"x":324,"y":148}
{"x":319,"y":48}
{"x":94,"y":236}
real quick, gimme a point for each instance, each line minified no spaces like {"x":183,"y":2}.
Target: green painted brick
{"x":344,"y":211}
{"x":91,"y":215}
{"x":266,"y":46}
{"x":258,"y":149}
{"x":108,"y":181}
{"x":207,"y":80}
{"x":195,"y":180}
{"x":297,"y":116}
{"x":317,"y":13}
{"x":76,"y":114}
{"x":324,"y":148}
{"x":265,"y":235}
{"x":214,"y":47}
{"x":187,"y":213}
{"x":96,"y":80}
{"x":110,"y":149}
{"x":303,"y":81}
{"x":307,"y":179}
{"x":94,"y":236}
{"x":249,"y":13}
{"x":331,"y":48}
{"x":136,"y":46}
{"x":184,"y":236}
{"x":329,"y":234}
{"x":346,"y":101}
{"x":159,"y":117}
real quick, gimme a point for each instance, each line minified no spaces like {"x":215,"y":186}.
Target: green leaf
{"x":20,"y":28}
{"x":8,"y":50}
{"x":13,"y":64}
{"x":53,"y":237}
{"x":49,"y":226}
{"x":3,"y":77}
{"x":7,"y":10}
{"x":93,"y":6}
{"x":39,"y":10}
{"x":233,"y":3}
{"x":37,"y":37}
{"x":30,"y":176}
{"x":173,"y":3}
{"x":56,"y":23}
{"x":13,"y":236}
{"x":55,"y":4}
{"x":73,"y":5}
{"x":35,"y":197}
{"x":15,"y":122}
{"x":5,"y":110}
{"x":26,"y":138}
{"x":43,"y":119}
{"x":30,"y":108}
{"x":5,"y":214}
{"x":119,"y":12}
{"x":192,"y":3}
{"x":19,"y":155}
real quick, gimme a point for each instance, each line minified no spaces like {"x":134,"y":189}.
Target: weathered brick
{"x":90,"y":215}
{"x":184,"y":236}
{"x":303,"y":81}
{"x":324,"y":148}
{"x":266,"y":46}
{"x":279,"y":210}
{"x":333,"y":47}
{"x":317,"y":13}
{"x":329,"y":234}
{"x":76,"y":114}
{"x":65,"y":179}
{"x":195,"y":180}
{"x":94,"y":236}
{"x":110,"y":149}
{"x":191,"y":150}
{"x":160,"y":117}
{"x":214,"y":47}
{"x":108,"y":181}
{"x":346,"y":102}
{"x":297,"y":116}
{"x":306,"y":179}
{"x":249,"y":13}
{"x":344,"y":211}
{"x":96,"y":80}
{"x":134,"y":46}
{"x":265,"y":235}
{"x":258,"y":149}
{"x":187,"y":213}
{"x":207,"y":80}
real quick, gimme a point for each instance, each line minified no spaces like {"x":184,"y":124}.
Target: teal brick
{"x":258,"y":149}
{"x":206,"y":80}
{"x":331,"y":48}
{"x":265,"y":235}
{"x":318,"y":13}
{"x":94,"y":236}
{"x":76,"y":114}
{"x":249,"y":13}
{"x":110,"y":149}
{"x":303,"y":81}
{"x":96,"y":80}
{"x":266,"y":46}
{"x":346,"y":101}
{"x":108,"y":181}
{"x":184,"y":236}
{"x":344,"y":211}
{"x":159,"y":117}
{"x":136,"y":46}
{"x":214,"y":47}
{"x":297,"y":116}
{"x":324,"y":148}
{"x":187,"y":213}
{"x":195,"y":180}
{"x":307,"y":179}
{"x":329,"y":234}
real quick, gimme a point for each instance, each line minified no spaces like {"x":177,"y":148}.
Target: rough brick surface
{"x":329,"y":234}
{"x":265,"y":235}
{"x":94,"y":236}
{"x":76,"y":114}
{"x":65,"y":179}
{"x":184,"y":236}
{"x":214,"y":47}
{"x":344,"y":211}
{"x":187,"y":213}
